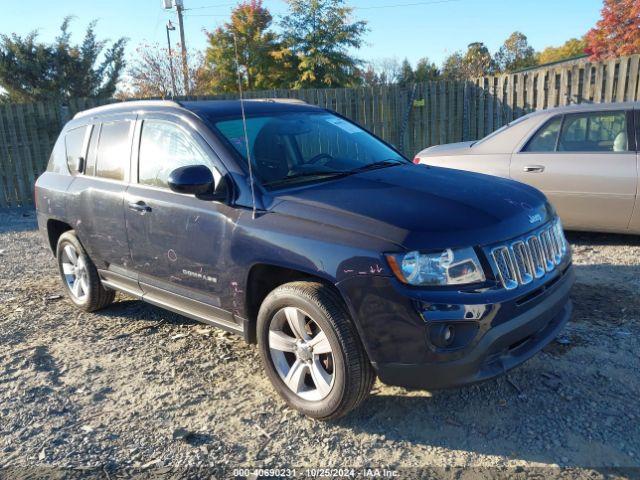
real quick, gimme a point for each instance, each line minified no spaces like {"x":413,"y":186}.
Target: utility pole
{"x":185,"y":66}
{"x":171,"y":27}
{"x":179,"y":4}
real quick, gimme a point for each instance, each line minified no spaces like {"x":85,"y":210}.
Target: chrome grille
{"x":519,"y":262}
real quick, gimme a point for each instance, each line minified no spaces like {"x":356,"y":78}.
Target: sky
{"x":398,"y":28}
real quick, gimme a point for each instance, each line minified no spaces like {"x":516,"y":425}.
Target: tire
{"x":331,"y":384}
{"x":83,"y":274}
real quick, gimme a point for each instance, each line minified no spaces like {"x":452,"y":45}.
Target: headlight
{"x":448,"y":267}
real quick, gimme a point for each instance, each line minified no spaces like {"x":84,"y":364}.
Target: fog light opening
{"x":443,"y":335}
{"x":447,"y":334}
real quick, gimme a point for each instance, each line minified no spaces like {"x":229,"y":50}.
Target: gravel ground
{"x":134,"y":388}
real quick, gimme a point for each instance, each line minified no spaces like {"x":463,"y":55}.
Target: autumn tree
{"x":258,"y":51}
{"x":617,"y":32}
{"x":31,"y":70}
{"x":474,"y":63}
{"x":150,"y":73}
{"x":572,"y":48}
{"x":320,"y":33}
{"x":477,"y":62}
{"x":515,"y":54}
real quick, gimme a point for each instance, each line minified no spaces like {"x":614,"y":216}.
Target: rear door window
{"x":594,"y":132}
{"x":114,"y":150}
{"x":76,"y":148}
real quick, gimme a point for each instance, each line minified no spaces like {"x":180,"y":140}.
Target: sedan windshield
{"x":294,"y":147}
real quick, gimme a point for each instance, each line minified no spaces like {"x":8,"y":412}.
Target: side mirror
{"x":192,"y":179}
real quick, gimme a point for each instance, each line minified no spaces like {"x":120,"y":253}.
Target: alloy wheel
{"x":74,"y":269}
{"x":301,"y":354}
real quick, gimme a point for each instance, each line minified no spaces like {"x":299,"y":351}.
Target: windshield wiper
{"x":375,"y":165}
{"x":319,"y":173}
{"x":335,"y":173}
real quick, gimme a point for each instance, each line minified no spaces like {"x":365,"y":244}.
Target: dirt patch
{"x":137,"y":388}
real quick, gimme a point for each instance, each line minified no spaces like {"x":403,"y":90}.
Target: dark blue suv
{"x":296,"y":228}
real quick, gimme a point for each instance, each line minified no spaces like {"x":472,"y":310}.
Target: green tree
{"x":407,"y":76}
{"x":426,"y":71}
{"x":571,"y":48}
{"x":515,"y":54}
{"x":31,"y":70}
{"x":319,"y":34}
{"x":452,"y":67}
{"x":257,"y":46}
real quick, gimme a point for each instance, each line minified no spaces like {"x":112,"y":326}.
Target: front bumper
{"x":501,"y":349}
{"x":511,"y":330}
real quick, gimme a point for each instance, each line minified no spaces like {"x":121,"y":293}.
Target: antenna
{"x":244,"y":128}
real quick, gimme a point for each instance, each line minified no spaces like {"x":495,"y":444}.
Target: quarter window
{"x":58,"y":159}
{"x":594,"y":132}
{"x":76,"y":149}
{"x":545,"y":139}
{"x":163,"y":148}
{"x":114,"y":150}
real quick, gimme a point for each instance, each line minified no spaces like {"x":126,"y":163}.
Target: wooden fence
{"x":411,"y":118}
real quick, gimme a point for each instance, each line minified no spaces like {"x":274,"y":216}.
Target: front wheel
{"x":311,"y":351}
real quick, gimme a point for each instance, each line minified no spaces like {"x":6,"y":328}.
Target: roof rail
{"x":114,"y":107}
{"x":277,"y":100}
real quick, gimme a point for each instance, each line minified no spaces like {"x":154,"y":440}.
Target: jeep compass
{"x":299,"y":230}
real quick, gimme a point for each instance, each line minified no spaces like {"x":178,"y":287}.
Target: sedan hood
{"x":460,"y":148}
{"x":420,"y":207}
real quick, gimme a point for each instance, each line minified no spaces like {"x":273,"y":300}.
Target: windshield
{"x":295,"y":147}
{"x":501,"y":129}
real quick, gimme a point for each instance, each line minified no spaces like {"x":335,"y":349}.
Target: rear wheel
{"x":311,"y":350}
{"x":80,"y":276}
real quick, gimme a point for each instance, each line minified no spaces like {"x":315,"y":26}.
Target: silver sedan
{"x":583,"y":157}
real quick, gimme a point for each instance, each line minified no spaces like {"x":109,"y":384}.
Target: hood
{"x":447,"y":149}
{"x":420,"y":207}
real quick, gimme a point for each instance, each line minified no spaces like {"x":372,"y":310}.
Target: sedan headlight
{"x":448,"y":267}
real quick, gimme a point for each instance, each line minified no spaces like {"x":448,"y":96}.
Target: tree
{"x":426,"y":71}
{"x":570,"y":49}
{"x":150,"y":73}
{"x":617,"y":32}
{"x":369,"y":76}
{"x":257,"y":46}
{"x":477,"y":62}
{"x":388,"y":70}
{"x":515,"y":54}
{"x":319,"y":33}
{"x":32,"y":71}
{"x":407,"y":76}
{"x":452,"y":67}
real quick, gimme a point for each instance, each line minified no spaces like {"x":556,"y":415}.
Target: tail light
{"x":416,"y":160}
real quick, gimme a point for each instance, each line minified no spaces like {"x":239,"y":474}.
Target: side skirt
{"x":176,"y":303}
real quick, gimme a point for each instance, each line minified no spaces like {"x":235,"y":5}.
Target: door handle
{"x":534,"y":168}
{"x":139,"y":207}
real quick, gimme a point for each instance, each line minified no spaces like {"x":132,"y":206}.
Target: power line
{"x":376,"y":7}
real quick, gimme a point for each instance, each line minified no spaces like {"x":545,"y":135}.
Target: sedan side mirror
{"x":199,"y":181}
